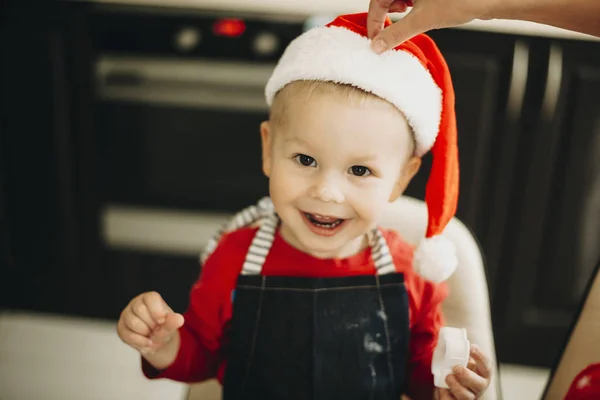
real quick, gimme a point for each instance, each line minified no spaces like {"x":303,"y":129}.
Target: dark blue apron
{"x":317,"y":338}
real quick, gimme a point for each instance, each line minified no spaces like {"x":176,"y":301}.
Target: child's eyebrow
{"x":365,"y":158}
{"x":296,"y":140}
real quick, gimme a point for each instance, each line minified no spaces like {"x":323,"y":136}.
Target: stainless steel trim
{"x":192,"y":83}
{"x":159,"y":230}
{"x":518,"y":80}
{"x":553,"y":82}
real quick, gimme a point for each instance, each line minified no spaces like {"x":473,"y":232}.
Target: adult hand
{"x":576,"y":15}
{"x":424,"y":16}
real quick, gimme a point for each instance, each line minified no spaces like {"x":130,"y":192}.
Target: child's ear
{"x":266,"y":136}
{"x":408,"y":172}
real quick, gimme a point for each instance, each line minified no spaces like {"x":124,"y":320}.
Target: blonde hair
{"x":303,"y":90}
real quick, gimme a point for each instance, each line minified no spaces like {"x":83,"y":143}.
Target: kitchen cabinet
{"x":36,"y":151}
{"x":45,"y":92}
{"x":528,"y":113}
{"x":7,"y":264}
{"x":553,"y":236}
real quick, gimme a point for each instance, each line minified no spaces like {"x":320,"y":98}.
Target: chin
{"x":328,"y":246}
{"x":316,"y":244}
{"x":325,"y":253}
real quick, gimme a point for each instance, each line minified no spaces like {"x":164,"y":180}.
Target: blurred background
{"x":129,"y":133}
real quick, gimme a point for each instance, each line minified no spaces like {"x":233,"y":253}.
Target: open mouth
{"x":322,"y":221}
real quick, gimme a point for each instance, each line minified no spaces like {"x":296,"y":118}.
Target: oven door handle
{"x":182,"y":233}
{"x":187,"y":83}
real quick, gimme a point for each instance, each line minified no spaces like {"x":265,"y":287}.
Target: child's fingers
{"x":444,"y":394}
{"x":459,"y":391}
{"x":164,"y":332}
{"x":470,"y":379}
{"x":174,"y":321}
{"x":139,"y":308}
{"x":135,"y":324}
{"x":483,"y":365}
{"x":472,"y":364}
{"x":156,"y":306}
{"x":132,"y":338}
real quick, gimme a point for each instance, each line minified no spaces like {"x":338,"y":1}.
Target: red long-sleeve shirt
{"x":207,"y":321}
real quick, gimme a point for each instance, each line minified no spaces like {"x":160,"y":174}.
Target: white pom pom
{"x":435,"y":259}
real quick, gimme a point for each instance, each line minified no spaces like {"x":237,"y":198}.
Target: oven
{"x":172,"y":146}
{"x":179,"y":101}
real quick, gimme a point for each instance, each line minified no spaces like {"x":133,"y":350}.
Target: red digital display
{"x":229,"y":27}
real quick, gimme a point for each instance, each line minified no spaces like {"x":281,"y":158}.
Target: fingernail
{"x":161,"y":320}
{"x":379,"y":46}
{"x":474,"y":348}
{"x":457,"y":370}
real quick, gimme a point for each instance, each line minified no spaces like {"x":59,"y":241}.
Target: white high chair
{"x":467,"y":305}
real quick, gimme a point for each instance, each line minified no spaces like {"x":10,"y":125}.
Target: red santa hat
{"x":413,"y":77}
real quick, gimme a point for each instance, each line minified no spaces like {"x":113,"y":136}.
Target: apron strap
{"x":382,"y":258}
{"x":263,"y":240}
{"x":260,"y":246}
{"x":246,"y":217}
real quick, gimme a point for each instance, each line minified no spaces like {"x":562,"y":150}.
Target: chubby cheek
{"x":285,"y":186}
{"x":365,"y":210}
{"x":370,"y":202}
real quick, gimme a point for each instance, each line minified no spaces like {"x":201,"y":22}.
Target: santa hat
{"x":413,"y":77}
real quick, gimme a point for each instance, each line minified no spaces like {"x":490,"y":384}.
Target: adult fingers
{"x":399,"y":6}
{"x":418,"y":20}
{"x":378,"y":10}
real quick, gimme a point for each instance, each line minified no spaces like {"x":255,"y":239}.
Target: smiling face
{"x":335,"y":157}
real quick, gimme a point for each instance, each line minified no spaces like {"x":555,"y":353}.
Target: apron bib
{"x":317,"y":338}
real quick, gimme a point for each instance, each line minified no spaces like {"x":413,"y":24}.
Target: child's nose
{"x":328,"y":191}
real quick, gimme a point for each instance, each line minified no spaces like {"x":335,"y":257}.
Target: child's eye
{"x":305,"y":160}
{"x":359,"y":170}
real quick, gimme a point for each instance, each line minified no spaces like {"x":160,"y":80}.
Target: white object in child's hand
{"x":452,"y":350}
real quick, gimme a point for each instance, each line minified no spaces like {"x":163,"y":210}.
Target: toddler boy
{"x":303,"y":296}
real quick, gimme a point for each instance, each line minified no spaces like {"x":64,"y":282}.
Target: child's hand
{"x":468,"y":383}
{"x":148,"y":324}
